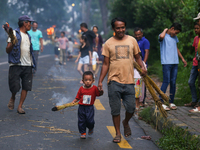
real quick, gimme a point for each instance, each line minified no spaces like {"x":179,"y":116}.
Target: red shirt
{"x":195,"y":45}
{"x":87,"y":96}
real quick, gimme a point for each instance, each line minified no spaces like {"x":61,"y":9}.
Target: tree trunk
{"x":104,"y":14}
{"x":86,"y":11}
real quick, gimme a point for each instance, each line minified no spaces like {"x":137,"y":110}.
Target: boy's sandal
{"x":165,"y":107}
{"x":83,"y":136}
{"x":191,"y":104}
{"x":172,"y":106}
{"x":117,"y":139}
{"x":90,"y":132}
{"x":195,"y":110}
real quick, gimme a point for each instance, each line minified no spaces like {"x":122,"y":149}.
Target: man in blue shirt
{"x":143,"y":44}
{"x":37,"y":42}
{"x":169,"y":59}
{"x":144,"y":48}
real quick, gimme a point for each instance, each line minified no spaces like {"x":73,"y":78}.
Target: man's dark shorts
{"x":118,"y":91}
{"x":20,"y":72}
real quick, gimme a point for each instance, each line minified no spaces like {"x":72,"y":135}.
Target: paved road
{"x":42,"y":129}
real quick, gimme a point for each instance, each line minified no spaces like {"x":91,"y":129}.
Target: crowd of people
{"x":117,"y":55}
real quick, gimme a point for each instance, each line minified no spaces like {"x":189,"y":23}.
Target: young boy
{"x":194,"y":70}
{"x":169,"y":59}
{"x":86,"y":97}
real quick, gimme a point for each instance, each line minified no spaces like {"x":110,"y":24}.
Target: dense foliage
{"x":154,"y":16}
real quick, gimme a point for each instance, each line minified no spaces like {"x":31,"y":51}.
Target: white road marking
{"x":43,"y":56}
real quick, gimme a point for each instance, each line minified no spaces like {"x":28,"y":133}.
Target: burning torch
{"x":57,"y":108}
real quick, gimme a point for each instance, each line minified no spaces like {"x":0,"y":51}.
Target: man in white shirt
{"x":21,"y":62}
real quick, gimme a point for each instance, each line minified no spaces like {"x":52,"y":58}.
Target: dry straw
{"x":150,"y":84}
{"x":57,"y":108}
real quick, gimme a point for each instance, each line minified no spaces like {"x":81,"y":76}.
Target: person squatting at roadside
{"x":86,"y":96}
{"x":21,"y":61}
{"x":119,"y":52}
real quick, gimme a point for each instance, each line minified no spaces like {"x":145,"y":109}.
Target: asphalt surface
{"x":42,"y":129}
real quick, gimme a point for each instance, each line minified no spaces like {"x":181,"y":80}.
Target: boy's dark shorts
{"x":16,"y":73}
{"x":118,"y":91}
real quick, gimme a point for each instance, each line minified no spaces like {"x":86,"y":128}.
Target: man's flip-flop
{"x":11,"y":105}
{"x":127,"y":130}
{"x":117,"y":139}
{"x":20,"y":111}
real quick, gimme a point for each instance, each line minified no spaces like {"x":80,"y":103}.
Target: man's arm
{"x":9,"y":47}
{"x":162,"y":35}
{"x":183,"y":60}
{"x":104,"y":70}
{"x":139,"y":61}
{"x":41,"y":45}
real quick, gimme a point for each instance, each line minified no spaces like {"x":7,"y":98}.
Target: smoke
{"x":60,"y":99}
{"x":55,"y":73}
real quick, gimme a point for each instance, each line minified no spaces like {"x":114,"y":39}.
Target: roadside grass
{"x":146,"y":115}
{"x":183,"y":94}
{"x":176,"y":138}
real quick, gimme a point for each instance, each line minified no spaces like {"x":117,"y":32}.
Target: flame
{"x":50,"y":30}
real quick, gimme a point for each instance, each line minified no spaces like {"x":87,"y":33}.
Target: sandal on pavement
{"x":146,"y":137}
{"x":117,"y":139}
{"x":191,"y":104}
{"x":90,"y":132}
{"x":172,"y":106}
{"x":83,"y":136}
{"x":127,"y":130}
{"x":165,"y":107}
{"x":20,"y":111}
{"x":11,"y":105}
{"x":194,"y":110}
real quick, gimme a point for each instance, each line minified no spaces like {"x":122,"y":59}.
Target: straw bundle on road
{"x":150,"y":84}
{"x":57,"y":108}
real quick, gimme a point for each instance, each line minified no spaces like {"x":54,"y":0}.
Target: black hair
{"x":86,"y":40}
{"x":176,"y":26}
{"x":56,"y":37}
{"x":87,"y":73}
{"x":138,"y":29}
{"x":63,"y":32}
{"x":117,"y":19}
{"x":70,"y":39}
{"x":95,"y":27}
{"x":21,"y":23}
{"x":84,"y":25}
{"x":34,"y":22}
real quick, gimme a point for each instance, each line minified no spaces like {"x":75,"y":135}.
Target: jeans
{"x":191,"y":82}
{"x":36,"y":54}
{"x":169,"y":76}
